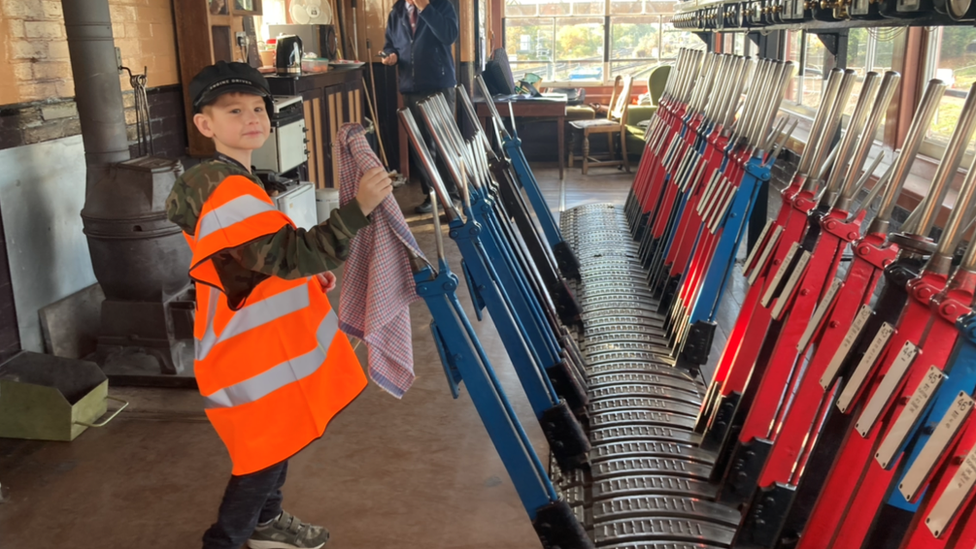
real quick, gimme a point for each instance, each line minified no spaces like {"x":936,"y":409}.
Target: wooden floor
{"x":419,"y":472}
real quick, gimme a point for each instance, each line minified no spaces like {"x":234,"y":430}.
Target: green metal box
{"x":45,"y":397}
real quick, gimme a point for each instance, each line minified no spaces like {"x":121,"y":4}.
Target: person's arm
{"x":389,"y":47}
{"x":294,"y":253}
{"x":442,"y":22}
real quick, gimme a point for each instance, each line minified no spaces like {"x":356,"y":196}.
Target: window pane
{"x":673,"y":40}
{"x":794,"y":44}
{"x":646,"y":7}
{"x":589,"y":8}
{"x":623,"y":7}
{"x":956,"y":66}
{"x":586,"y":71}
{"x":813,"y":73}
{"x":529,"y":39}
{"x":638,"y":69}
{"x":634,"y":38}
{"x":541,"y":69}
{"x":579,"y":39}
{"x":529,"y":8}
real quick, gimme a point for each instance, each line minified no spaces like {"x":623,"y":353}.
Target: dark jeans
{"x":248,"y":500}
{"x":410,"y":101}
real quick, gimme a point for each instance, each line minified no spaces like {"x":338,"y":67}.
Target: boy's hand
{"x":390,"y":59}
{"x":327,"y":280}
{"x":374,"y":187}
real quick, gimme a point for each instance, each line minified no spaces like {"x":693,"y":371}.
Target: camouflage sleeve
{"x":295,"y":253}
{"x":190,"y":192}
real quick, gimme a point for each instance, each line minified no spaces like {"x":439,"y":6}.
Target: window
{"x":591,"y":41}
{"x":952,"y":59}
{"x":867,"y":50}
{"x":807,"y":52}
{"x":872,"y":50}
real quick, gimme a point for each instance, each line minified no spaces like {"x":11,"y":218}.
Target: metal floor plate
{"x":653,"y":449}
{"x":638,"y":367}
{"x":640,"y":465}
{"x":662,"y":529}
{"x":627,"y":356}
{"x":624,"y":346}
{"x":609,"y":332}
{"x":636,"y":389}
{"x":625,"y":433}
{"x":623,"y":378}
{"x":636,"y":485}
{"x":659,"y":545}
{"x":644,"y":403}
{"x":642,"y":417}
{"x":664,"y":506}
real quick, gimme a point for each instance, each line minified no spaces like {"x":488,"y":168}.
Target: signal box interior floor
{"x":413,"y":473}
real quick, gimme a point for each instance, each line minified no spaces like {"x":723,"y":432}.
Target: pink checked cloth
{"x":378,"y":286}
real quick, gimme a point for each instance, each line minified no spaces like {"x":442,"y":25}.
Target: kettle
{"x":288,"y":59}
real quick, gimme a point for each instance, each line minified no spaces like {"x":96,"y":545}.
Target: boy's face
{"x":235,"y":121}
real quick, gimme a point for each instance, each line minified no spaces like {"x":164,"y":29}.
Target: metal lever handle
{"x":851,"y":136}
{"x":483,"y":88}
{"x":826,"y":100}
{"x":863,"y":180}
{"x":417,"y":140}
{"x":889,"y":83}
{"x":831,"y":123}
{"x":920,"y":124}
{"x":945,"y":173}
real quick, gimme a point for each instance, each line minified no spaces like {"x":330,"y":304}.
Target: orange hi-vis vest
{"x":278,"y":369}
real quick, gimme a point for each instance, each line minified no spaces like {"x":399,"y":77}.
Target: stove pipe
{"x":138,"y":256}
{"x":97,"y":91}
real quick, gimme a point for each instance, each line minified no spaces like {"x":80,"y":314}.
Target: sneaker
{"x":424,"y":208}
{"x":287,"y":532}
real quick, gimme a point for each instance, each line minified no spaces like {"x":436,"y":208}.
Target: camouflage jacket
{"x":289,"y":253}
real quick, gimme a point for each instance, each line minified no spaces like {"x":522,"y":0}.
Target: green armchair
{"x":638,"y":113}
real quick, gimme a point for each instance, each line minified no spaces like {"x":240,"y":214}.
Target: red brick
{"x":22,"y":49}
{"x":46,"y":30}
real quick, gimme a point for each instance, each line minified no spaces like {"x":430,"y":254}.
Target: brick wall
{"x":34,"y":50}
{"x":39,"y":121}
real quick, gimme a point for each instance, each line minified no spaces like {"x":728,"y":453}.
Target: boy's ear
{"x":203,"y":124}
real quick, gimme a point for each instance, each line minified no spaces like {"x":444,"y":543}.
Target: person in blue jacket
{"x":419,"y":36}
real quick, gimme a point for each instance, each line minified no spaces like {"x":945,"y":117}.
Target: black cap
{"x":224,"y":77}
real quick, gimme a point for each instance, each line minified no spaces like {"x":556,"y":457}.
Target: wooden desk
{"x":531,"y":108}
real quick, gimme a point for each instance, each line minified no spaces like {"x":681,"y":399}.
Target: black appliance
{"x":288,"y":59}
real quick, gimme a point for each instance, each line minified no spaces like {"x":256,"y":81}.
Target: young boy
{"x":270,"y":361}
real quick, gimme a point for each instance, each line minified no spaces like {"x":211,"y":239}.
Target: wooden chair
{"x":614,"y":123}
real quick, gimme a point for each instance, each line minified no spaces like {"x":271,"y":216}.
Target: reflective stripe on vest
{"x":252,"y":316}
{"x":277,"y":377}
{"x":235,"y":211}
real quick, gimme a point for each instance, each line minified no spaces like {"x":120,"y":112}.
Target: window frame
{"x":658,"y":20}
